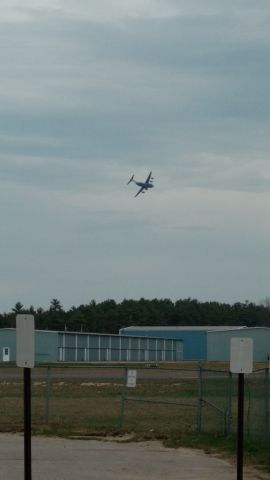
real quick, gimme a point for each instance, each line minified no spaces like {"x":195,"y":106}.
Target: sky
{"x":94,"y":91}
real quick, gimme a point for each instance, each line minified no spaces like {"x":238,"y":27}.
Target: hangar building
{"x":218,"y":343}
{"x":194,"y":337}
{"x":208,"y":342}
{"x":53,"y":346}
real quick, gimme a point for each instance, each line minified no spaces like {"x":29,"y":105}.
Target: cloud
{"x":96,"y":11}
{"x":95,"y":91}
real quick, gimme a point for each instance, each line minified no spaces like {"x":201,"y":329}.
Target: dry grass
{"x":90,"y":399}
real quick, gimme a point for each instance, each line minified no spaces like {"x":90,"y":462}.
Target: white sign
{"x":131,"y":378}
{"x":241,"y":360}
{"x":25,"y":341}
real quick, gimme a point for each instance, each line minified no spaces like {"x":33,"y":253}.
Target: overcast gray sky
{"x":93,"y":91}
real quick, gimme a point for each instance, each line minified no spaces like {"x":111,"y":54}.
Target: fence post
{"x":199,"y":400}
{"x":229,"y":406}
{"x":47,"y":401}
{"x":266,"y":402}
{"x":122,"y":411}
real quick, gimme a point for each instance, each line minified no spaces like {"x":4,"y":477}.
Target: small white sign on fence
{"x":131,"y":378}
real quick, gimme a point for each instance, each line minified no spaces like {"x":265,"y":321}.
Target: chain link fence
{"x":218,"y":393}
{"x":91,"y":399}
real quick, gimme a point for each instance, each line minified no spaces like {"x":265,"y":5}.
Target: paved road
{"x":60,"y":459}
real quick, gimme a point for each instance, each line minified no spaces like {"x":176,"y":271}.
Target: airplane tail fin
{"x":131,"y":179}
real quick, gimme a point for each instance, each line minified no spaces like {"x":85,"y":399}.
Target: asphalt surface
{"x":61,"y":459}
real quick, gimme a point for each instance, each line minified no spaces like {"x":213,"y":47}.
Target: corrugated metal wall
{"x":138,"y":345}
{"x":218,"y":343}
{"x":45,"y":345}
{"x":52,"y":346}
{"x":73,"y":347}
{"x":194,"y":340}
{"x":8,"y":341}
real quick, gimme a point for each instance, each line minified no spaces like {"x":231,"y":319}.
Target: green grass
{"x":255,"y":453}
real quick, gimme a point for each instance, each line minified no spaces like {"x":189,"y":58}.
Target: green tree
{"x":18,"y":308}
{"x":55,"y":305}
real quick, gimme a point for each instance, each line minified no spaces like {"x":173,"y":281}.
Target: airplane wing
{"x":140,"y":191}
{"x":148,"y":178}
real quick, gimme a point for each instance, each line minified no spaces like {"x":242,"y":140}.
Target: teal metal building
{"x":218,"y":343}
{"x":54,"y":346}
{"x":153,"y":344}
{"x":194,"y":338}
{"x":46,"y":345}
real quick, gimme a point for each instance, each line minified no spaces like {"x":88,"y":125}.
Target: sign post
{"x":25,"y":358}
{"x":241,"y":362}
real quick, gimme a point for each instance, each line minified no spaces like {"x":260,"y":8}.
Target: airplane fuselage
{"x":144,"y":185}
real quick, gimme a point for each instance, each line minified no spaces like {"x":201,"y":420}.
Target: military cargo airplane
{"x":144,"y":185}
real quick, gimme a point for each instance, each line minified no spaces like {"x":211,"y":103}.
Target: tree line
{"x":109,"y":316}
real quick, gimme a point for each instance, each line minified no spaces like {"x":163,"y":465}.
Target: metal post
{"x":266,"y":402}
{"x":122,"y":411}
{"x":199,"y":401}
{"x":229,"y":405}
{"x":27,"y":424}
{"x":47,"y":395}
{"x":240,"y":434}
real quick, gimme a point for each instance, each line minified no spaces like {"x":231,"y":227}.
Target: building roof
{"x":68,"y":332}
{"x":186,"y":328}
{"x":237,"y":328}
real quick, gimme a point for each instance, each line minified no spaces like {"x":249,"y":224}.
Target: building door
{"x":6,"y":354}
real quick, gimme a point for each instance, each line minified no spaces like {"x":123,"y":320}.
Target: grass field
{"x":89,"y":402}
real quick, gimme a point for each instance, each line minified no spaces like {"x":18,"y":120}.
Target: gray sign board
{"x":241,"y":359}
{"x":25,"y":341}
